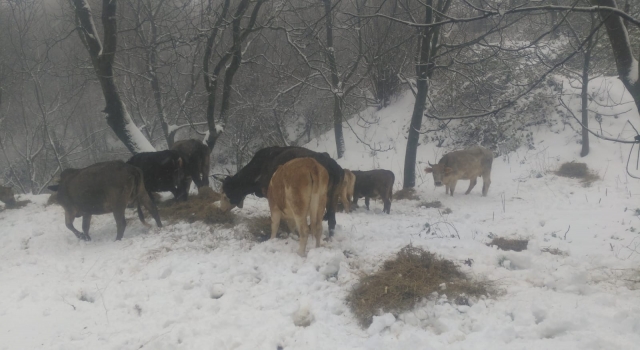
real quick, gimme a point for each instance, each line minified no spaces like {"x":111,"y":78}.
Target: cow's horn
{"x":429,"y":163}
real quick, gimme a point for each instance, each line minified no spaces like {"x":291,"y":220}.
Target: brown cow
{"x":346,"y":189}
{"x":298,"y":189}
{"x":102,"y":188}
{"x":6,"y":196}
{"x":373,"y":184}
{"x":466,"y":164}
{"x":197,"y":158}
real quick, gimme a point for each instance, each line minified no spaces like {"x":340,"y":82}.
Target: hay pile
{"x":201,"y":207}
{"x":577,"y":171}
{"x":402,"y":282}
{"x":406,"y":193}
{"x":516,"y":245}
{"x":434,"y":204}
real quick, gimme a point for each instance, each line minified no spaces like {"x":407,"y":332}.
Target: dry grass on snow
{"x":513,"y":244}
{"x":200,"y":207}
{"x":406,"y":193}
{"x":405,"y":280}
{"x":577,"y":171}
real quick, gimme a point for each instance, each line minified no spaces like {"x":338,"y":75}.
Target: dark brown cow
{"x":197,"y":157}
{"x":7,"y":197}
{"x":373,"y":184}
{"x":466,"y":164}
{"x":102,"y":188}
{"x":297,"y":190}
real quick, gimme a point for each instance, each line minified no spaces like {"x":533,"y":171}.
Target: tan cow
{"x":346,"y":189}
{"x":297,"y":190}
{"x":466,"y":164}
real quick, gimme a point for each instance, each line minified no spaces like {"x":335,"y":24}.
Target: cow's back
{"x":294,"y":183}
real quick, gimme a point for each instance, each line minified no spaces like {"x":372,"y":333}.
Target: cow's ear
{"x":428,"y":170}
{"x":448,"y":170}
{"x":53,"y":188}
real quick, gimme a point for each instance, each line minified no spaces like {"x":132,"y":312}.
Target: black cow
{"x":373,"y":184}
{"x":256,"y":175}
{"x":162,"y":171}
{"x":197,"y":163}
{"x":247,"y":180}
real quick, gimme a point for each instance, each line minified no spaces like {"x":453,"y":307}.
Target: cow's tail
{"x":390,"y":193}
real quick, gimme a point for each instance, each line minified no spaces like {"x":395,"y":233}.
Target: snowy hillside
{"x":193,"y":286}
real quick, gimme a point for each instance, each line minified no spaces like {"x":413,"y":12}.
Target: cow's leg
{"x":472,"y":184}
{"x":452,"y":186}
{"x":316,"y":211}
{"x":86,"y":224}
{"x":366,"y":202}
{"x":121,"y":222}
{"x":355,"y":202}
{"x":141,"y":216}
{"x":144,"y":199}
{"x":387,"y":205}
{"x":275,"y":222}
{"x":183,"y":190}
{"x":303,"y":228}
{"x":345,"y":200}
{"x":446,"y":191}
{"x":486,"y":178}
{"x":69,"y":217}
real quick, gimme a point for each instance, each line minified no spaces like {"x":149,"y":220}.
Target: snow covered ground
{"x":192,"y":286}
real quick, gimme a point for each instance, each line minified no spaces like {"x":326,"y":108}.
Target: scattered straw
{"x":200,"y":207}
{"x":554,"y":251}
{"x":402,"y":282}
{"x":406,"y":193}
{"x":260,"y":227}
{"x":577,"y":171}
{"x":434,"y":204}
{"x":516,"y":245}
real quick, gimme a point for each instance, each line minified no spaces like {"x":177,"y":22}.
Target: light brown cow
{"x":297,"y":190}
{"x":346,"y":189}
{"x":6,"y":196}
{"x":466,"y":164}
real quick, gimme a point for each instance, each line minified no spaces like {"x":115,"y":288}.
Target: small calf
{"x":466,"y":164}
{"x":373,"y":184}
{"x":297,"y":190}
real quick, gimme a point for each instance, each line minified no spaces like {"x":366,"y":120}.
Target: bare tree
{"x":102,"y":57}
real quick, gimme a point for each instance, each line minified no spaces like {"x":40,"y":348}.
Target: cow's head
{"x":6,"y":196}
{"x":176,"y":166}
{"x":440,"y":173}
{"x":234,"y":193}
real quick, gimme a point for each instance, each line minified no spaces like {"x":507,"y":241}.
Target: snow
{"x":141,"y":144}
{"x":196,"y":286}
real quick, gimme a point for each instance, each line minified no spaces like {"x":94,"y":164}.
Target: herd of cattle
{"x":299,"y":184}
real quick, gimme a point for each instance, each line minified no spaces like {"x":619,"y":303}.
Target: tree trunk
{"x":102,"y":57}
{"x":422,"y":70}
{"x":335,"y":81}
{"x":585,"y":104}
{"x":626,"y":63}
{"x":585,"y":91}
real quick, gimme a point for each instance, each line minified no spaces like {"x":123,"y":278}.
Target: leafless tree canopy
{"x":88,"y":80}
